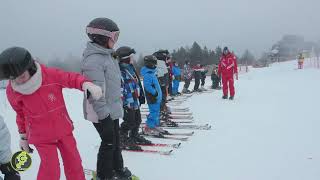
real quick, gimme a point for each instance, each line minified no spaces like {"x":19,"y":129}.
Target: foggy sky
{"x":50,"y":28}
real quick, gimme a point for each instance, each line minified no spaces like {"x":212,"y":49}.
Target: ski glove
{"x":236,"y":76}
{"x":94,"y":90}
{"x":24,"y":144}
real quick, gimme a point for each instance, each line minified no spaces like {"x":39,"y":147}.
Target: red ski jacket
{"x":228,"y":65}
{"x":42,"y":115}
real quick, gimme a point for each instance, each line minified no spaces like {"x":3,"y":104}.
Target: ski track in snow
{"x":270,"y":131}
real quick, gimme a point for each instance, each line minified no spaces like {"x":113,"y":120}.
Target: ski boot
{"x":197,"y":90}
{"x":124,"y":174}
{"x":131,"y":145}
{"x":164,"y":114}
{"x":170,"y":123}
{"x":231,"y":97}
{"x":184,"y":91}
{"x":224,"y":97}
{"x":9,"y":172}
{"x":127,"y":143}
{"x":137,"y":138}
{"x":161,"y":130}
{"x":151,"y":131}
{"x":140,"y":140}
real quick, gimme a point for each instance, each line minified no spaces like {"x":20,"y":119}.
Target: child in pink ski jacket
{"x":35,"y":93}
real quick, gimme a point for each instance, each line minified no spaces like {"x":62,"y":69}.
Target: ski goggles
{"x":131,"y":54}
{"x":113,"y":35}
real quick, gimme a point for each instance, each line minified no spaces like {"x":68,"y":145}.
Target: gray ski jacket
{"x":99,"y":66}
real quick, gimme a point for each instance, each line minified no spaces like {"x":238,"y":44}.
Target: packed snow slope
{"x":269,"y":132}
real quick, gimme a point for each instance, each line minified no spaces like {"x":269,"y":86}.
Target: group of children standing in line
{"x":112,"y":90}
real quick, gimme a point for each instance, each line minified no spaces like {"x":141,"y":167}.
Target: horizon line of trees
{"x":285,"y":49}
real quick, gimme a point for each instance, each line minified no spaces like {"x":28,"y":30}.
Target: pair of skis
{"x":155,"y":151}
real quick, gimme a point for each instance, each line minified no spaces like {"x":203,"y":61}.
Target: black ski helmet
{"x":15,"y":61}
{"x":123,"y":53}
{"x":150,"y":61}
{"x":101,"y":24}
{"x":225,"y":50}
{"x":162,"y":54}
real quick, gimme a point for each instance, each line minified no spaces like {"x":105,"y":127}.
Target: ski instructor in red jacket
{"x":227,"y":69}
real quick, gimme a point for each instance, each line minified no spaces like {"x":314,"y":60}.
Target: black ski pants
{"x":186,"y":83}
{"x":109,"y":155}
{"x":196,"y":83}
{"x":131,"y":121}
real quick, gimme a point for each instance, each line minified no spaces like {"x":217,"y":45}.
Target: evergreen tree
{"x":247,"y":58}
{"x":196,"y":53}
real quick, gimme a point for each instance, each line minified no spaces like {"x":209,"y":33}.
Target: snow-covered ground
{"x":269,"y":132}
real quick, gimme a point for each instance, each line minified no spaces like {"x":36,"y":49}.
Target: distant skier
{"x":216,"y":80}
{"x":102,"y":68}
{"x":133,"y":97}
{"x":197,"y":77}
{"x":153,"y":94}
{"x":300,"y":61}
{"x":204,"y":72}
{"x":227,"y":69}
{"x":5,"y":153}
{"x":35,"y":93}
{"x":187,"y":76}
{"x":176,"y":72}
{"x":163,"y":75}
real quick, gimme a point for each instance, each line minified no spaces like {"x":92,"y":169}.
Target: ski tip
{"x":167,"y":152}
{"x":177,"y":145}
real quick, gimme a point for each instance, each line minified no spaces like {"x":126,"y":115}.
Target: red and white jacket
{"x":39,"y":104}
{"x":228,"y":65}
